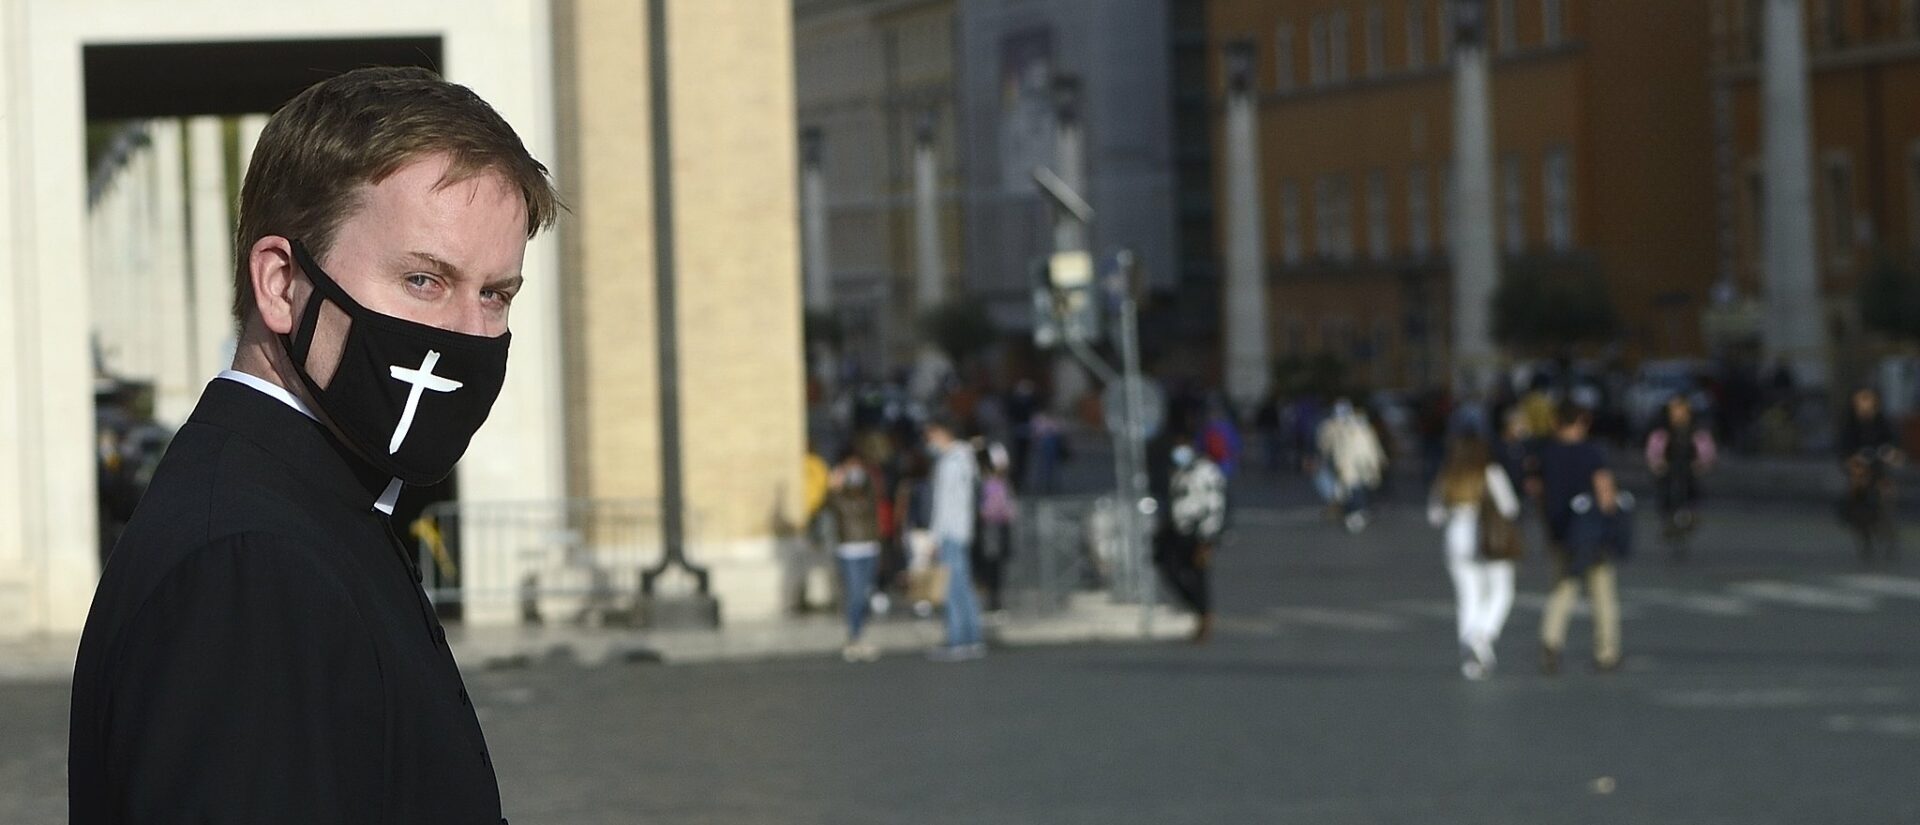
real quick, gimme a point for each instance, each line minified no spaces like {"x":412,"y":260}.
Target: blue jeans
{"x":856,"y":587}
{"x":963,"y":607}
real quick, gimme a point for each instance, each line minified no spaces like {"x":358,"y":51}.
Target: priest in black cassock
{"x":259,"y":649}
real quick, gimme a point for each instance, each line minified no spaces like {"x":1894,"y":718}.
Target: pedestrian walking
{"x":259,"y":649}
{"x":1353,"y":455}
{"x":1190,"y":531}
{"x":1586,"y":528}
{"x":1679,"y":452}
{"x":999,"y":509}
{"x":955,"y":476}
{"x":1473,"y":500}
{"x":855,"y":500}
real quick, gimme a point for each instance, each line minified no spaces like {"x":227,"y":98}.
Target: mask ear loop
{"x":302,"y":340}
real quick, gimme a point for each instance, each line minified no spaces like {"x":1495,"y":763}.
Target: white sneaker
{"x":1356,"y":522}
{"x":860,"y":652}
{"x":880,"y":604}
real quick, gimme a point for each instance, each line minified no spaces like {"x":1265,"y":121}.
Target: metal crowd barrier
{"x":566,"y":560}
{"x":1068,"y":546}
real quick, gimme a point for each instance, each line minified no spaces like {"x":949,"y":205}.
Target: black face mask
{"x":407,"y":396}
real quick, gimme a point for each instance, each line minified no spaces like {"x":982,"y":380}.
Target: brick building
{"x":1864,"y":85}
{"x":1603,"y":157}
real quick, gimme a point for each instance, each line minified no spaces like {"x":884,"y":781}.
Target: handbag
{"x":1500,"y":538}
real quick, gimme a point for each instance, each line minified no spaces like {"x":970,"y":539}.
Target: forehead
{"x":426,"y":205}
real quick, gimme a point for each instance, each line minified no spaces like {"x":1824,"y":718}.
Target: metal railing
{"x":1073,"y":545}
{"x":575,"y":560}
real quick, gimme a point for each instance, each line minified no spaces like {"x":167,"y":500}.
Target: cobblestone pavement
{"x":1771,"y":679}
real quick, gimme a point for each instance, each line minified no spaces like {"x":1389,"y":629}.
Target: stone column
{"x":211,"y":247}
{"x":136,"y":273}
{"x":1475,"y":250}
{"x":176,"y":384}
{"x":813,"y":220}
{"x":929,"y":264}
{"x":18,"y":489}
{"x":1249,"y":352}
{"x":250,"y":127}
{"x":1795,"y":328}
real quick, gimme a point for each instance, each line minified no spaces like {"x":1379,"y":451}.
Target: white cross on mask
{"x":422,"y":379}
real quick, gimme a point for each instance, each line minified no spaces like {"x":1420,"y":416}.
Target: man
{"x":259,"y":649}
{"x":956,"y":474}
{"x":1582,"y":506}
{"x":1196,"y":516}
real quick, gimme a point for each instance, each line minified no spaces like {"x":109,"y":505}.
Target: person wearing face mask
{"x":853,"y":496}
{"x":259,"y":648}
{"x":1196,"y":516}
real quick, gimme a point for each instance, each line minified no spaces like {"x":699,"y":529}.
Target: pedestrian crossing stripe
{"x":1338,"y":618}
{"x":1710,"y":604}
{"x":1805,"y":595}
{"x":1898,"y":587}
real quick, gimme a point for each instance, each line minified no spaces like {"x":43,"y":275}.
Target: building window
{"x":1912,"y":16}
{"x":1333,"y":218}
{"x":1553,"y":21}
{"x":1756,"y":211}
{"x":1556,"y":181}
{"x":1506,"y":26}
{"x":1839,"y":208}
{"x":1448,"y":209}
{"x":1339,"y":43}
{"x":1513,"y":189}
{"x":1756,"y":27}
{"x":1283,"y":57}
{"x":1417,"y":34}
{"x":1378,"y":244}
{"x":1443,"y":33}
{"x":1317,"y":51}
{"x":1419,"y":214}
{"x":1376,"y":40}
{"x":1292,"y":249}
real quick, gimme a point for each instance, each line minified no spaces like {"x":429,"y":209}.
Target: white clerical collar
{"x":278,"y":393}
{"x":274,"y":391}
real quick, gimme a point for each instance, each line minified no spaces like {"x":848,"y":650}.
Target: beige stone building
{"x":580,"y":415}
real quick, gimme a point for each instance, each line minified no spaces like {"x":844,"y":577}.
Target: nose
{"x":471,"y":316}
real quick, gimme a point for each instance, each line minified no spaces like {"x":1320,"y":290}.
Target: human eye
{"x":422,"y":283}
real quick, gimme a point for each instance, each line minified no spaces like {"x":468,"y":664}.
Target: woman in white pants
{"x":1472,"y":486}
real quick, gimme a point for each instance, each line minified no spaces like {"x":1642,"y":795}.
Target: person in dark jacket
{"x":259,"y":648}
{"x":1869,"y":451}
{"x":853,"y":494}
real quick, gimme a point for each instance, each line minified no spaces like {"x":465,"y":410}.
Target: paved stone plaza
{"x":1772,"y":679}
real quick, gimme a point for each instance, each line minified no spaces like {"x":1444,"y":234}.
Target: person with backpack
{"x":1473,"y":500}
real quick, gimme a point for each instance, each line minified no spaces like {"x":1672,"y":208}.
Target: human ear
{"x":270,"y":265}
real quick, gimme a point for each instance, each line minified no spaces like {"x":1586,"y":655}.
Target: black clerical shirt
{"x":260,"y":651}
